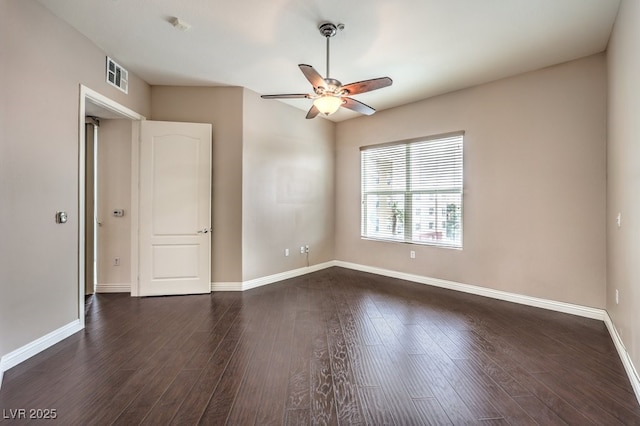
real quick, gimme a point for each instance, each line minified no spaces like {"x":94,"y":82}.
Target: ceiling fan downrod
{"x":328,"y":30}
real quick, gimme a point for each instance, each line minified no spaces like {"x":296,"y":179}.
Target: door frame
{"x":87,"y":94}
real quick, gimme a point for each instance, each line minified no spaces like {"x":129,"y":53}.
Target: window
{"x":412,"y":191}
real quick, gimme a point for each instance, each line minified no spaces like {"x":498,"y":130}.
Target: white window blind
{"x":412,"y":191}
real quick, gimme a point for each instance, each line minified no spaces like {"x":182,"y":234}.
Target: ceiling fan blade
{"x":289,"y":96}
{"x":367,"y":85}
{"x":313,"y":112}
{"x":312,"y":75}
{"x":357,"y":106}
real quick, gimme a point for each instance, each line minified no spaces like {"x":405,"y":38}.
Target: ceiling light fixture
{"x":328,"y":104}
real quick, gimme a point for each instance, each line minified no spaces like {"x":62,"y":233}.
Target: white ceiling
{"x":428,"y":47}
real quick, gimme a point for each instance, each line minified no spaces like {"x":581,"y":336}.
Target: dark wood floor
{"x":332,"y":347}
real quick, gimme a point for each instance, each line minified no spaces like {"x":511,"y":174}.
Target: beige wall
{"x":222,"y":107}
{"x":534,"y":177}
{"x":623,"y":186}
{"x":287,"y":187}
{"x":42,"y":64}
{"x":114,"y":192}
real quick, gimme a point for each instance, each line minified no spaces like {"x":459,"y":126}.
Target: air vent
{"x":117,"y":76}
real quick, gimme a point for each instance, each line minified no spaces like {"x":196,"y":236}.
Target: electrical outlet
{"x":286,"y":252}
{"x":301,"y":249}
{"x":617,"y":297}
{"x":116,"y":261}
{"x":306,"y":248}
{"x":412,"y":254}
{"x":619,"y":220}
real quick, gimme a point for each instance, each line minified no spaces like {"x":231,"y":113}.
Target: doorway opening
{"x":97,"y":108}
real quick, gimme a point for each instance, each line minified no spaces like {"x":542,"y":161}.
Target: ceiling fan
{"x":328,"y":93}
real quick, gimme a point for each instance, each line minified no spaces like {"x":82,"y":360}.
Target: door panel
{"x":175,"y":208}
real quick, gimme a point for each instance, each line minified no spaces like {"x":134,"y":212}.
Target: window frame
{"x":408,"y":194}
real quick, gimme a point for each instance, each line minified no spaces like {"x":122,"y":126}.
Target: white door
{"x":175,"y":208}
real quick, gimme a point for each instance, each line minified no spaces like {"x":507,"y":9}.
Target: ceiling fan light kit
{"x":328,"y":104}
{"x":328,"y":93}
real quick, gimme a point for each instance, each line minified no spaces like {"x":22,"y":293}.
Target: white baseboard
{"x":269,"y":279}
{"x":634,"y":378}
{"x":226,"y":286}
{"x":30,"y":349}
{"x":113,"y":288}
{"x":568,"y":308}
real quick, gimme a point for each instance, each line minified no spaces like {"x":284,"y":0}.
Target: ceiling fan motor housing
{"x":332,"y":85}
